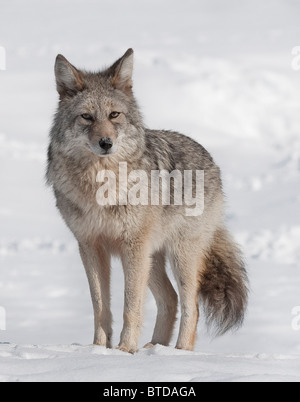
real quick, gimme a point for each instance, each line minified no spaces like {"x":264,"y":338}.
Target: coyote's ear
{"x":69,"y":80}
{"x":121,"y":72}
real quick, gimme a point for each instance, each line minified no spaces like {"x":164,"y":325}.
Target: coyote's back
{"x":97,"y":130}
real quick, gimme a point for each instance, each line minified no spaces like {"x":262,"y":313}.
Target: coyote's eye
{"x":114,"y":115}
{"x":87,"y":116}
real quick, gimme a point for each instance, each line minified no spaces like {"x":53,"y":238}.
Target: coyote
{"x":98,"y":125}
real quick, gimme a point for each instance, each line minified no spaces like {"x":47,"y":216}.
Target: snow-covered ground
{"x":218,"y":71}
{"x":63,"y":363}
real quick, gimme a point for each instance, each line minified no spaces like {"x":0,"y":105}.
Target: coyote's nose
{"x":105,"y":143}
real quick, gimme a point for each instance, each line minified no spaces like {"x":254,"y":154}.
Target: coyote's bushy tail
{"x":224,"y":285}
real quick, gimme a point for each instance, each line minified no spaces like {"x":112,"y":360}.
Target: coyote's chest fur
{"x":112,"y":224}
{"x":77,"y":201}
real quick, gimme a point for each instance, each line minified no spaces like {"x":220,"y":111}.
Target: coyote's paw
{"x":126,"y":349}
{"x":106,"y":345}
{"x":149,"y":346}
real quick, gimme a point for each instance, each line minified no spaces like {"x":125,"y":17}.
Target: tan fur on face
{"x":103,"y":129}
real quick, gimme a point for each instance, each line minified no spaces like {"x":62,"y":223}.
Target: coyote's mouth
{"x":102,"y":153}
{"x":106,"y":154}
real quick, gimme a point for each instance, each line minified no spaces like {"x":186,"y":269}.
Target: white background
{"x":218,"y":71}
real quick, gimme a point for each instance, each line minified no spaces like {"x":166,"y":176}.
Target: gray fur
{"x":206,"y":261}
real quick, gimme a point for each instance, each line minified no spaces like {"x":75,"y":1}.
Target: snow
{"x":30,"y":363}
{"x":221,"y":72}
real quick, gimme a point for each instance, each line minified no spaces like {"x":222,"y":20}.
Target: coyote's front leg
{"x":96,"y":261}
{"x":136,"y":260}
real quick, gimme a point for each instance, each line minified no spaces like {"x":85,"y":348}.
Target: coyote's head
{"x":97,"y":114}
